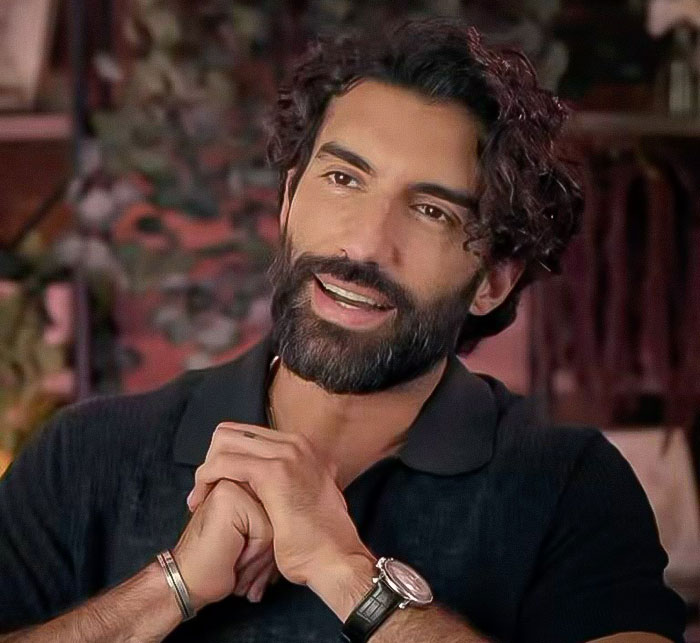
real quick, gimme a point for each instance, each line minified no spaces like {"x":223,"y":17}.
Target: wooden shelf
{"x":633,"y":124}
{"x":35,"y":127}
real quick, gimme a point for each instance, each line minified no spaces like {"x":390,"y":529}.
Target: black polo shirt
{"x":532,"y":534}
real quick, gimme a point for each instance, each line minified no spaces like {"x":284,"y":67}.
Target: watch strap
{"x":376,"y":606}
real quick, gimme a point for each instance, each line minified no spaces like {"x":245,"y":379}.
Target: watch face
{"x":408,"y":581}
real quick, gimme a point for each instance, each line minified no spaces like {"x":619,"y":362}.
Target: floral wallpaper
{"x":174,"y":207}
{"x":174,"y":199}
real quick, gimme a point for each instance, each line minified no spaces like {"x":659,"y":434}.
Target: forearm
{"x":429,"y":625}
{"x":141,"y":609}
{"x":344,"y":585}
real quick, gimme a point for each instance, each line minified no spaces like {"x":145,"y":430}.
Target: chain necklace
{"x":271,"y":372}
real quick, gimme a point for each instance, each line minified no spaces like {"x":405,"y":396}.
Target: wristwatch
{"x":396,"y":586}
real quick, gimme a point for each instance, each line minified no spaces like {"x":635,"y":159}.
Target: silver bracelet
{"x":177,"y":584}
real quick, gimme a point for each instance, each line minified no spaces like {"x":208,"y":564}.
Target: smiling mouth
{"x":348,"y":298}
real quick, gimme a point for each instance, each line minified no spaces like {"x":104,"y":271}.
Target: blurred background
{"x":137,"y":214}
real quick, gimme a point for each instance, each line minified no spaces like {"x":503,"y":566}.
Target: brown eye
{"x":432,"y":212}
{"x":341,"y":178}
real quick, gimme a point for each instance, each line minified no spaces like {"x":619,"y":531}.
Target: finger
{"x":232,"y":436}
{"x":246,"y":442}
{"x":224,"y":429}
{"x":194,"y":500}
{"x":227,"y":466}
{"x":246,"y":576}
{"x":250,"y":440}
{"x":225,"y":434}
{"x":255,"y":549}
{"x":261,"y":583}
{"x":247,"y":516}
{"x":235,"y":442}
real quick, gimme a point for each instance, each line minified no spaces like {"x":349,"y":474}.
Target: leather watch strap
{"x":377,"y":605}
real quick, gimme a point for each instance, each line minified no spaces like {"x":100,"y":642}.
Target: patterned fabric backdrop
{"x":174,"y":206}
{"x":175,"y":202}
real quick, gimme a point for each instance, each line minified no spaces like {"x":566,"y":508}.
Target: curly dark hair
{"x":530,"y":202}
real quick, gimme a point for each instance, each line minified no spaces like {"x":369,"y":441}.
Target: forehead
{"x":400,"y":131}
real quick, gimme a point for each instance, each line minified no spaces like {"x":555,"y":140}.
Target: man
{"x":419,"y":194}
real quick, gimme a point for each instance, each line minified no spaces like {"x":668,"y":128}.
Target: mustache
{"x":368,"y":274}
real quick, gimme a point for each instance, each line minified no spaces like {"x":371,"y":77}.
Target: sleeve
{"x":39,"y":532}
{"x":600,"y":569}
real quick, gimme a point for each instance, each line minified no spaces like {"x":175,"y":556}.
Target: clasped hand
{"x":262,"y":501}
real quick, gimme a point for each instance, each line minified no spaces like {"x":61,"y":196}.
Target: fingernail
{"x":189,"y":499}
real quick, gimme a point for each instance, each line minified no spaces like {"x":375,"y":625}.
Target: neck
{"x":350,"y":432}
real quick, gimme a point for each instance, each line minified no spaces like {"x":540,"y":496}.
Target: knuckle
{"x":199,"y":474}
{"x":217,"y":490}
{"x":222,"y":435}
{"x":299,"y":441}
{"x":263,"y":533}
{"x":280,"y":467}
{"x":289,"y":452}
{"x":215,"y":442}
{"x":216,"y":495}
{"x":205,"y":471}
{"x":305,"y":448}
{"x":224,"y":489}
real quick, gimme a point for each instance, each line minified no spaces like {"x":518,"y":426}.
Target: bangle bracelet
{"x":177,"y":584}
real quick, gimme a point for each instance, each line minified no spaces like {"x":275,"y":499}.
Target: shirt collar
{"x":453,"y":433}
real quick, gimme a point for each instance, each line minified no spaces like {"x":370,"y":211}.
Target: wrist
{"x":157,"y":581}
{"x":343,"y":581}
{"x":160,"y":613}
{"x":193,"y":578}
{"x":177,"y":584}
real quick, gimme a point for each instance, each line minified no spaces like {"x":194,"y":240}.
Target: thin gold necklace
{"x":271,"y":372}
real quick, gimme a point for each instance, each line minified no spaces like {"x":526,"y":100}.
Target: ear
{"x":286,"y":199}
{"x":495,"y":286}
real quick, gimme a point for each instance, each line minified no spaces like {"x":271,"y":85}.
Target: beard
{"x":344,"y":361}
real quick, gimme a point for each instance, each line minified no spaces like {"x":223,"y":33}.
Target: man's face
{"x":373,"y":282}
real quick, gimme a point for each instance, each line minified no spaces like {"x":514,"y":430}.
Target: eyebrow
{"x":461,"y":198}
{"x":344,"y":154}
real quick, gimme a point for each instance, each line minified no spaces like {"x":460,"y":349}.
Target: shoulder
{"x":139,"y":430}
{"x":134,"y":415}
{"x":526,"y":437}
{"x":555,"y":462}
{"x":106,"y":432}
{"x":572,"y":474}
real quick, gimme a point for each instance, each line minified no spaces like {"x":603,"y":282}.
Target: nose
{"x":374,"y":236}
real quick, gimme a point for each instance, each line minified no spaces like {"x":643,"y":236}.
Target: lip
{"x":330,"y":310}
{"x":360,"y":290}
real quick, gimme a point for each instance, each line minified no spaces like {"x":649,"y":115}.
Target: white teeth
{"x":353,"y":296}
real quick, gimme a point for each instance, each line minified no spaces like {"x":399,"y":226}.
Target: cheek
{"x":437,"y":268}
{"x":315,"y":220}
{"x":437,"y":264}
